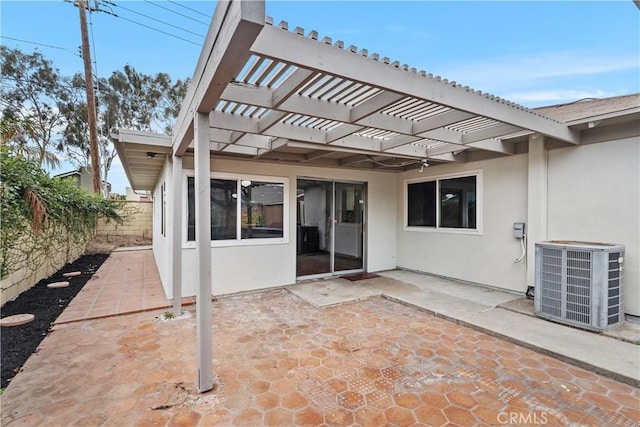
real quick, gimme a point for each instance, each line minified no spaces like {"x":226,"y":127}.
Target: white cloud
{"x":508,"y":71}
{"x":551,"y":96}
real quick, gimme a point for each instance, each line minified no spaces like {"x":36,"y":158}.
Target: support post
{"x":203,"y":252}
{"x":176,"y":241}
{"x":536,"y":227}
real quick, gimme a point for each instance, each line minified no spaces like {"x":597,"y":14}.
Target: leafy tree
{"x":11,"y":128}
{"x":76,"y":132}
{"x":126,"y":100}
{"x":142,"y":102}
{"x":31,"y":98}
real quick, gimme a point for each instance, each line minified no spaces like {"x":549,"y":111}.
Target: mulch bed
{"x":20,"y":342}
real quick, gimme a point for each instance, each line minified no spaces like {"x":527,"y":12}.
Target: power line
{"x":41,"y":44}
{"x":178,"y":13}
{"x":158,"y":20}
{"x":155,"y":29}
{"x":191,"y":9}
{"x":93,"y":45}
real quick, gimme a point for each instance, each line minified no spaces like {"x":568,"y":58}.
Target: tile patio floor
{"x":127,"y":282}
{"x":280,"y":361}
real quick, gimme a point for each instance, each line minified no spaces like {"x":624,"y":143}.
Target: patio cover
{"x":274,"y":94}
{"x":264,"y":93}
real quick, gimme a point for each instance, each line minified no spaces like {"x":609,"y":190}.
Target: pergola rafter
{"x":296,"y":88}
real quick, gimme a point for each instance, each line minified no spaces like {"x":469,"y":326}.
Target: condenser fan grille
{"x":579,"y":284}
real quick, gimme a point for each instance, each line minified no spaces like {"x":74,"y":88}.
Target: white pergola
{"x":262,"y":92}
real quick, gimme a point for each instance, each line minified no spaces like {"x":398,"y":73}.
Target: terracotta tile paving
{"x":127,"y":282}
{"x":279,"y":361}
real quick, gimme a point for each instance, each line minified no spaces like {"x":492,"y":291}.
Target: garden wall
{"x":26,"y":277}
{"x":138,"y":223}
{"x":42,"y":262}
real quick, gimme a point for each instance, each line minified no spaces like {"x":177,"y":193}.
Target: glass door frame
{"x":332,"y":272}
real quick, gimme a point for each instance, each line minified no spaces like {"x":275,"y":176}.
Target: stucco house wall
{"x":594,"y":196}
{"x":161,"y":240}
{"x":237,"y":268}
{"x":485,"y":257}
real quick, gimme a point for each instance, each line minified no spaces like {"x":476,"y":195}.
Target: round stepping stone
{"x":17,"y":319}
{"x":72,"y":274}
{"x":58,"y":285}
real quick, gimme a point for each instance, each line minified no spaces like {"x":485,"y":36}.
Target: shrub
{"x":40,"y":214}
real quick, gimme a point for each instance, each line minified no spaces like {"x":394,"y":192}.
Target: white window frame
{"x":437,"y":229}
{"x":163,"y":209}
{"x":238,"y":241}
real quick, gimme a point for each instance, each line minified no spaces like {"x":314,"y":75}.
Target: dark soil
{"x":19,"y":342}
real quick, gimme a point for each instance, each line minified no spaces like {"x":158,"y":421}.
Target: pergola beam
{"x":295,"y":81}
{"x":234,"y":28}
{"x":492,"y":132}
{"x":367,"y":114}
{"x":351,"y":160}
{"x":374,"y":104}
{"x":231,"y":122}
{"x":316,"y":155}
{"x":440,"y":120}
{"x":308,"y":53}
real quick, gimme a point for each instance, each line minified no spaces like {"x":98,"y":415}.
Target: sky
{"x":532,"y":53}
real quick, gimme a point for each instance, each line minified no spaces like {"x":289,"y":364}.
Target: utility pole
{"x":91,"y":100}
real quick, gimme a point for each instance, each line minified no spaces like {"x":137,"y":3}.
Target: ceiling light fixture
{"x":423,"y":164}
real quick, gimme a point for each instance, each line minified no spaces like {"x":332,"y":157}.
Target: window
{"x":163,"y":210}
{"x":262,"y":209}
{"x":443,"y":203}
{"x":458,"y":202}
{"x":257,"y":214}
{"x":421,"y":198}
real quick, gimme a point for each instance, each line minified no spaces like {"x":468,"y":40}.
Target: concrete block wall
{"x":25,"y":278}
{"x":139,"y":223}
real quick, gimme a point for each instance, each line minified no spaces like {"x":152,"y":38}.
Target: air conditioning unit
{"x":579,"y":283}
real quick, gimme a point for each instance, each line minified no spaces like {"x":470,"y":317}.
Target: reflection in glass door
{"x":314,"y":200}
{"x":330,"y":227}
{"x":349,"y":223}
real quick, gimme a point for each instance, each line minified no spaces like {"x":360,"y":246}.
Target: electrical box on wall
{"x":518,"y":230}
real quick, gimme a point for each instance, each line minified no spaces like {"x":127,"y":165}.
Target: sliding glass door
{"x":330,"y":227}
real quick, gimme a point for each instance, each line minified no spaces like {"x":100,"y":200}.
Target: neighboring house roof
{"x":591,"y":107}
{"x":78,"y":173}
{"x":75,"y":172}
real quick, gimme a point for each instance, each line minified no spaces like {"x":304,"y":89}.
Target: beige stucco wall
{"x":139,"y":222}
{"x":39,"y":268}
{"x":594,"y":196}
{"x":249,"y":267}
{"x":160,"y":242}
{"x":486,"y":257}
